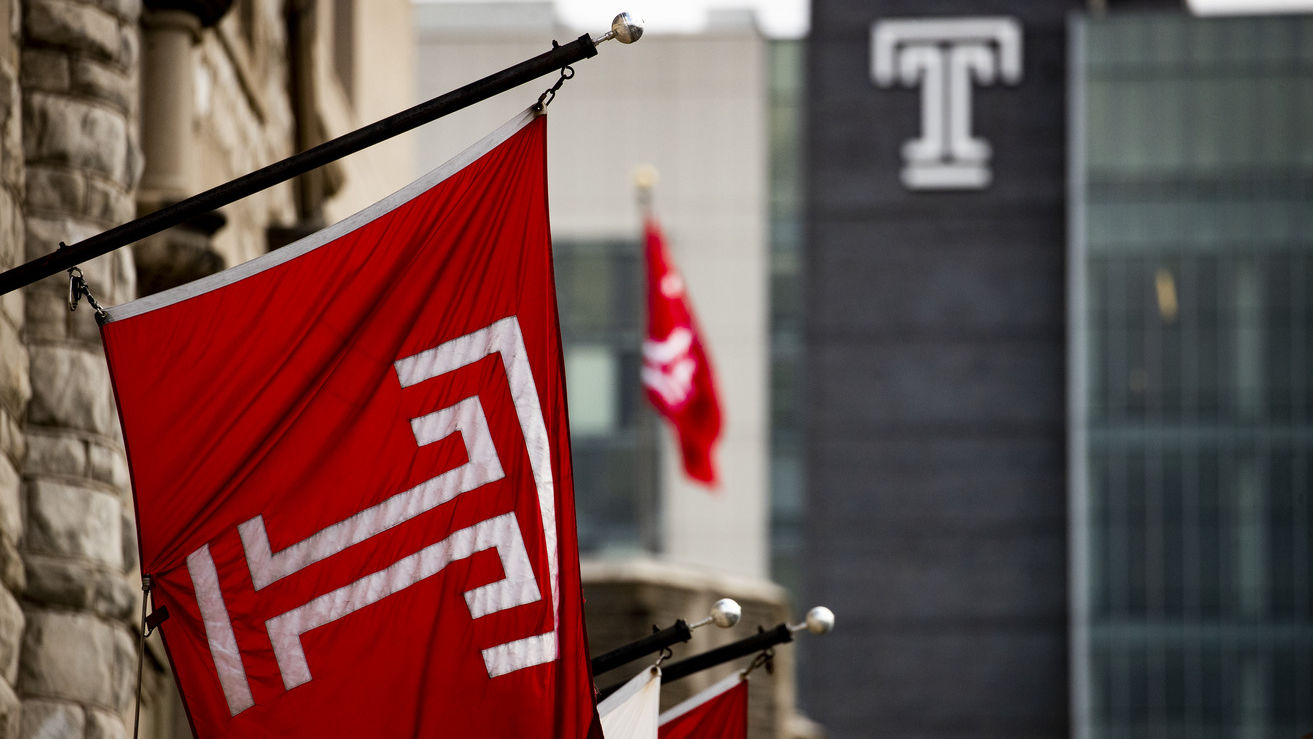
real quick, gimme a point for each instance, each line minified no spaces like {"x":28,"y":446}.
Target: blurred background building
{"x":1190,"y":383}
{"x":1057,"y":358}
{"x":1011,"y":323}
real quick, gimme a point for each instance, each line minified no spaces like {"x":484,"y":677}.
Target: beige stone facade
{"x":108,"y":109}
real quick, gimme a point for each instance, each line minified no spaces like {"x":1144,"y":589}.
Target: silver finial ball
{"x":820,"y":620}
{"x":626,"y":29}
{"x":725,"y":612}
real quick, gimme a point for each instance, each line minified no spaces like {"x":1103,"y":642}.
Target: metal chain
{"x":764,"y":659}
{"x":77,"y":289}
{"x":545,"y":99}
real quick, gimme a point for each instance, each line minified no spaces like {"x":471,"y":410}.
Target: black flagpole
{"x":741,"y":648}
{"x":724,"y":613}
{"x":69,"y":256}
{"x":820,"y":620}
{"x":655,"y":642}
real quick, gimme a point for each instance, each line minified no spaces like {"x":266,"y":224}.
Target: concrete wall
{"x":935,"y":366}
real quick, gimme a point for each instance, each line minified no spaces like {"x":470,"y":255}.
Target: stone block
{"x":11,"y":226}
{"x":14,"y":386}
{"x":11,"y":140}
{"x":72,"y":521}
{"x":129,"y":46}
{"x":13,"y":575}
{"x":55,"y":453}
{"x":126,"y":10}
{"x":10,"y":711}
{"x":11,"y":509}
{"x":43,"y":718}
{"x":76,"y":26}
{"x":48,"y":70}
{"x":108,"y":202}
{"x":12,"y":304}
{"x":76,"y":585}
{"x":47,"y":315}
{"x":11,"y":635}
{"x":117,"y":598}
{"x":63,"y":130}
{"x":8,"y":90}
{"x":70,"y":388}
{"x":103,"y":82}
{"x":107,"y":464}
{"x":131,"y":560}
{"x":13,"y":442}
{"x":55,"y":189}
{"x":104,"y":725}
{"x":43,"y":236}
{"x":78,"y":657}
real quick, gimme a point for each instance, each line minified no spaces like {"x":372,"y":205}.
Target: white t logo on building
{"x":943,"y":56}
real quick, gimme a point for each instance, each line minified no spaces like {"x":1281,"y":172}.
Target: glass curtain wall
{"x":1192,"y":376}
{"x":786,"y":316}
{"x":600,"y":291}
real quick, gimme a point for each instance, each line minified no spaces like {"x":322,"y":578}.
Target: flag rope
{"x":142,"y":633}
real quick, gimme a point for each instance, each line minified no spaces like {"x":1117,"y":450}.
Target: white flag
{"x":631,"y":711}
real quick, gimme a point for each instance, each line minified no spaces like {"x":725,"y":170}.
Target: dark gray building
{"x":1057,"y":358}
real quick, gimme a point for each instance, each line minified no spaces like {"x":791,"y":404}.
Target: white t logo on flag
{"x":668,"y":366}
{"x":519,"y":586}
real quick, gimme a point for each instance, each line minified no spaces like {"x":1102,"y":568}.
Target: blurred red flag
{"x":352,"y":470}
{"x":676,"y":371}
{"x":719,"y":712}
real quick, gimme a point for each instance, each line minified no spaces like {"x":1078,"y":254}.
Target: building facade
{"x":1056,"y":352}
{"x":111,"y":109}
{"x":1190,"y":387}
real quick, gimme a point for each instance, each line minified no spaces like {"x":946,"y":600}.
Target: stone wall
{"x":15,"y":387}
{"x":78,"y":71}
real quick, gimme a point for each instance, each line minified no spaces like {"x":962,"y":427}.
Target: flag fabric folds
{"x":631,"y":711}
{"x":719,"y":712}
{"x":677,"y":374}
{"x":352,"y":474}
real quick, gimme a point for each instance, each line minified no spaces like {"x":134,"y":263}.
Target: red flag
{"x":676,"y":371}
{"x":719,"y":712}
{"x":352,"y":470}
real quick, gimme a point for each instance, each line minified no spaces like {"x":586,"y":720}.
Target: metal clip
{"x":545,"y":99}
{"x":77,"y":289}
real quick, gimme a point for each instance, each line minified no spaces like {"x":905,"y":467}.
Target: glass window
{"x":1195,"y":321}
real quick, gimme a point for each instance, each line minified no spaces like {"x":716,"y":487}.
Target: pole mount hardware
{"x":624,"y":28}
{"x":820,"y":620}
{"x":724,"y":613}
